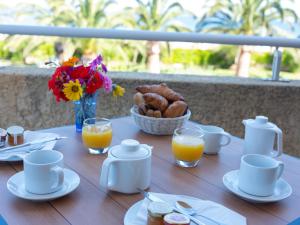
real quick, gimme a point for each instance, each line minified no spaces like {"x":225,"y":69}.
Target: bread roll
{"x":138,"y":98}
{"x":161,"y":89}
{"x":176,"y":109}
{"x":155,"y":101}
{"x":150,"y":113}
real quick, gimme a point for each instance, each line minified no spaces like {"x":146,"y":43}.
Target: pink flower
{"x":97,"y":61}
{"x":107,"y":84}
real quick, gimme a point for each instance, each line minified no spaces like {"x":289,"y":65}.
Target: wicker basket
{"x":158,"y":126}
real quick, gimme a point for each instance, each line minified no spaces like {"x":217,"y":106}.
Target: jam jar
{"x":15,"y":135}
{"x":156,"y":213}
{"x":176,"y":219}
{"x":3,"y":135}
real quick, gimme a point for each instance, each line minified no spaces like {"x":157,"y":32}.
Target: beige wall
{"x":25,"y":100}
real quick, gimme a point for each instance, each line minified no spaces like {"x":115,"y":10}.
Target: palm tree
{"x":77,"y":13}
{"x":154,"y":15}
{"x":247,"y":17}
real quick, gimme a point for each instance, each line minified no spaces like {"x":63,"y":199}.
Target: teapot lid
{"x":260,"y":122}
{"x":130,"y":149}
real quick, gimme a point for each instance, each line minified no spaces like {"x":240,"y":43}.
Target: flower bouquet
{"x":81,"y":84}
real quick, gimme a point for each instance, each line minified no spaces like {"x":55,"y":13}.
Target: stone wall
{"x":25,"y":100}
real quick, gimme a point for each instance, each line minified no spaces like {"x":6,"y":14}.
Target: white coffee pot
{"x":260,"y":137}
{"x":127,"y":167}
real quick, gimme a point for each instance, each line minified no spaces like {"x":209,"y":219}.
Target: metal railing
{"x":159,"y":36}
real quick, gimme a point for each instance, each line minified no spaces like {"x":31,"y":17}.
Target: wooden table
{"x":90,"y":204}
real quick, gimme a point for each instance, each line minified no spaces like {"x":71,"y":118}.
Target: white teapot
{"x":260,"y":136}
{"x":127,"y":167}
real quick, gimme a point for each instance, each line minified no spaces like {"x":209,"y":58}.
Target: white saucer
{"x":28,"y":137}
{"x":282,"y":189}
{"x":16,"y":186}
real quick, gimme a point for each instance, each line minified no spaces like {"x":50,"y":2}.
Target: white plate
{"x":282,"y":189}
{"x":132,"y":212}
{"x":16,"y":186}
{"x":28,"y":137}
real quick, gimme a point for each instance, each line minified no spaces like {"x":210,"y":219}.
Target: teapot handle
{"x":105,"y":171}
{"x":278,"y":152}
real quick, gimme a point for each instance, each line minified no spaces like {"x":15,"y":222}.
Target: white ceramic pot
{"x":127,"y":167}
{"x":260,"y":137}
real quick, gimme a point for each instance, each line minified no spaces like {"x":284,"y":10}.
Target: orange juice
{"x":96,"y":136}
{"x":187,"y":148}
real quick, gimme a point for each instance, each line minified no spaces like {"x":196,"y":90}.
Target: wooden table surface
{"x":90,"y":204}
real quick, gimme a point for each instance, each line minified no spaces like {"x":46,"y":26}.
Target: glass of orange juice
{"x":187,"y":146}
{"x":97,"y":135}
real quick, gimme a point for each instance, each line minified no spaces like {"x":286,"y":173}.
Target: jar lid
{"x":159,"y":209}
{"x":130,"y":149}
{"x":15,"y":130}
{"x":260,"y":122}
{"x":176,"y":218}
{"x":3,"y":132}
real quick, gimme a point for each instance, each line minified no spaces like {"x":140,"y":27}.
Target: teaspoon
{"x":185,"y":207}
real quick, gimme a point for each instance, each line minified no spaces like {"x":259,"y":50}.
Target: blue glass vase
{"x":85,"y":108}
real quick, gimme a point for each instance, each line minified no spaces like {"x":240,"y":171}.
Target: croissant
{"x":161,"y":89}
{"x":138,"y":98}
{"x":157,"y":114}
{"x":155,"y":101}
{"x":176,"y":109}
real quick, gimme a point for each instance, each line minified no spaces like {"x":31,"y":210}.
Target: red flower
{"x":80,"y":72}
{"x":56,"y":83}
{"x":95,"y":82}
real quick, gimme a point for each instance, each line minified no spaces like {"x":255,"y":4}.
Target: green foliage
{"x":247,"y":17}
{"x":155,"y":15}
{"x":250,"y":17}
{"x":221,"y":58}
{"x":44,"y":51}
{"x":183,"y":56}
{"x":264,"y":59}
{"x":288,"y":62}
{"x":4,"y":54}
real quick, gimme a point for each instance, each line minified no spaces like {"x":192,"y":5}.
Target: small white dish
{"x":28,"y":137}
{"x":16,"y":186}
{"x":282,"y":189}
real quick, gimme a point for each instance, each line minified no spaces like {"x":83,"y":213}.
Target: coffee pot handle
{"x":278,"y":151}
{"x":104,"y":173}
{"x":228,"y":138}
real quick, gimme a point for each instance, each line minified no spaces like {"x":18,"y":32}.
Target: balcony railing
{"x":159,"y":36}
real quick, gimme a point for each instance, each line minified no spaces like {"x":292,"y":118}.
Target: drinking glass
{"x":97,"y":135}
{"x":188,"y":146}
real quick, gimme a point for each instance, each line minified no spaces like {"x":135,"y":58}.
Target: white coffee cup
{"x":214,"y":138}
{"x":258,"y":174}
{"x":43,"y":171}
